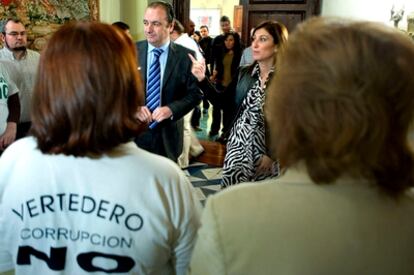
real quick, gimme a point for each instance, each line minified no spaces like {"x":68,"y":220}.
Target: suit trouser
{"x":216,"y":122}
{"x":206,"y":104}
{"x":151,"y":141}
{"x":195,"y":117}
{"x":220,"y":114}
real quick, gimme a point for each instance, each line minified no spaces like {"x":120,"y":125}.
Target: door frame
{"x":182,"y":10}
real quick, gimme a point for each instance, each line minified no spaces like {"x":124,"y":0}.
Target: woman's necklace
{"x":263,"y":76}
{"x":263,"y":79}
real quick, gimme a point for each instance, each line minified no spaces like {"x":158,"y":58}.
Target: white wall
{"x":224,"y":7}
{"x":132,"y":12}
{"x":129,"y":11}
{"x":109,"y":11}
{"x":373,"y":10}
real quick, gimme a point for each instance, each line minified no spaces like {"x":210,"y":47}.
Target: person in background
{"x":191,"y":145}
{"x":9,"y":104}
{"x":226,"y":71}
{"x":205,"y":44}
{"x":196,"y":115}
{"x":14,"y":38}
{"x":247,"y":55}
{"x":89,"y":200}
{"x":190,"y":28}
{"x":341,"y":106}
{"x":178,"y":36}
{"x":196,"y":36}
{"x":247,"y":153}
{"x":123,"y":26}
{"x":195,"y":118}
{"x":217,"y":45}
{"x":176,"y":92}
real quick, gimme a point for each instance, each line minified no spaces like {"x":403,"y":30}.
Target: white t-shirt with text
{"x":129,"y":212}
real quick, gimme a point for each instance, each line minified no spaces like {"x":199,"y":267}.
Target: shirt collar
{"x":10,"y":54}
{"x":163,"y":47}
{"x":256,"y":71}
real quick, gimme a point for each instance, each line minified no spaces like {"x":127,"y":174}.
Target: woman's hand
{"x":264,"y":166}
{"x":198,"y":69}
{"x":213,"y":76}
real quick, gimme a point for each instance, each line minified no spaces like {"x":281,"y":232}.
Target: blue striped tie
{"x":154,"y":83}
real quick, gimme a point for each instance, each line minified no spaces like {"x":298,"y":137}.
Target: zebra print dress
{"x":246,"y":143}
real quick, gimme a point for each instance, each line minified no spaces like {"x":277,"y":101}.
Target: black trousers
{"x":195,"y":117}
{"x":23,"y":129}
{"x":221,"y":115}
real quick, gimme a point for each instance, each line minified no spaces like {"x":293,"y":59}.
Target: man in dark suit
{"x":178,"y":92}
{"x":205,"y":45}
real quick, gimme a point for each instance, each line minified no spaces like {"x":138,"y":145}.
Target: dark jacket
{"x":179,"y":92}
{"x":235,"y":93}
{"x":217,"y":49}
{"x":205,"y":45}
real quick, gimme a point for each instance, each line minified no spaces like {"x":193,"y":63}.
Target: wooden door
{"x":181,"y":10}
{"x":288,"y":12}
{"x":238,"y":19}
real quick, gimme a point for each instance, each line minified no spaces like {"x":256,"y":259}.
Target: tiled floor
{"x":205,"y":179}
{"x":205,"y":123}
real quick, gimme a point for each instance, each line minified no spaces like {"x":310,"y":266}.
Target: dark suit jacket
{"x":205,"y":45}
{"x":179,"y":92}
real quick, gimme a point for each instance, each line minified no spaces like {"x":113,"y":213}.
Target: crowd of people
{"x":95,"y":130}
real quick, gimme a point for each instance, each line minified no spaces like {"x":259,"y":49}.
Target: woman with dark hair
{"x":196,"y":36}
{"x":247,"y":157}
{"x":340,"y":108}
{"x":123,"y":26}
{"x":79,"y":195}
{"x":226,"y":71}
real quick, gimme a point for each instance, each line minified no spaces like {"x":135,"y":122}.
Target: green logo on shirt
{"x":4,"y":88}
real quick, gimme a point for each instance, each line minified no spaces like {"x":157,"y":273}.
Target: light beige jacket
{"x":293,"y":226}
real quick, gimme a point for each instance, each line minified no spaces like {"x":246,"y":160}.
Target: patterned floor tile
{"x":205,"y":179}
{"x":200,"y":194}
{"x":212,"y":173}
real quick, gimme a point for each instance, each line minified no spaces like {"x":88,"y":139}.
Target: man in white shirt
{"x":180,"y":37}
{"x":191,"y":145}
{"x":14,"y":38}
{"x":9,"y":105}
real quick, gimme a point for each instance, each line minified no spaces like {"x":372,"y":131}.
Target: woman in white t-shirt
{"x":78,"y":196}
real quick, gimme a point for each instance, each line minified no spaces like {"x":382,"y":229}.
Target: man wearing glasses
{"x":14,"y":38}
